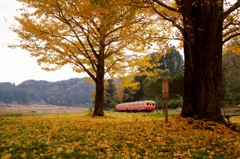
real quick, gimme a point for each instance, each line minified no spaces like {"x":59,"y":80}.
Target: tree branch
{"x":168,"y":19}
{"x":159,"y":2}
{"x":233,"y":30}
{"x":230,"y":10}
{"x":230,"y":37}
{"x":110,"y":67}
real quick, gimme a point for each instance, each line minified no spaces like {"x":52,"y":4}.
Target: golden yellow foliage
{"x":86,"y":33}
{"x":117,"y":135}
{"x":232,"y":46}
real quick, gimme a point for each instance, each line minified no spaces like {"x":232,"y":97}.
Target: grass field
{"x":116,"y":136}
{"x":38,"y":109}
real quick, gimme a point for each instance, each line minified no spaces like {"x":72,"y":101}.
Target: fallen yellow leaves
{"x":117,"y":135}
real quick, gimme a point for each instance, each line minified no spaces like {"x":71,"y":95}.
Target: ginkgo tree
{"x":91,"y":36}
{"x":204,"y":26}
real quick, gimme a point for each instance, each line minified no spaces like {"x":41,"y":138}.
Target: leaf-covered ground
{"x":117,"y":136}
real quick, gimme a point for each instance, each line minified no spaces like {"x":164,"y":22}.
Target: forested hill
{"x":72,"y":92}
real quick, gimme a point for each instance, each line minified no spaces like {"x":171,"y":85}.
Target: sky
{"x":16,"y":65}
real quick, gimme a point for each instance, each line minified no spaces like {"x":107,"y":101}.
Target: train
{"x":137,"y":106}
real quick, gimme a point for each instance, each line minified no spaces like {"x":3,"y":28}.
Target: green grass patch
{"x":11,"y":115}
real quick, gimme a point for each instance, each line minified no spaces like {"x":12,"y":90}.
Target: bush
{"x":90,"y":110}
{"x":172,"y":103}
{"x":175,"y":103}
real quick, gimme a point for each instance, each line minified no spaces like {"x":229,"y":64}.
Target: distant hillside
{"x":72,"y":92}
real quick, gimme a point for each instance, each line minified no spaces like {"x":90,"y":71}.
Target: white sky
{"x":16,"y":65}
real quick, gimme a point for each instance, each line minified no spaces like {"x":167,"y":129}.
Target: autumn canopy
{"x":93,"y":36}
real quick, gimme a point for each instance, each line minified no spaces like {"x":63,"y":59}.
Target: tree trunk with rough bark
{"x":203,"y":62}
{"x":99,"y":96}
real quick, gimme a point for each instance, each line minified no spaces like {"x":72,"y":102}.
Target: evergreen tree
{"x":110,"y":99}
{"x":127,"y":95}
{"x":176,"y":85}
{"x":173,"y":61}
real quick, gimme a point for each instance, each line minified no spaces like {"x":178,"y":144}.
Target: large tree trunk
{"x":203,"y":65}
{"x":99,"y":96}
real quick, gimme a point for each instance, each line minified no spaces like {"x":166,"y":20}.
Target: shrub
{"x":175,"y":103}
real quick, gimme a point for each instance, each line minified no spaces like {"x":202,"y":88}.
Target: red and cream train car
{"x":146,"y":105}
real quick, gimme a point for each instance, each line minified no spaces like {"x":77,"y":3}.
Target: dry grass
{"x":39,"y":109}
